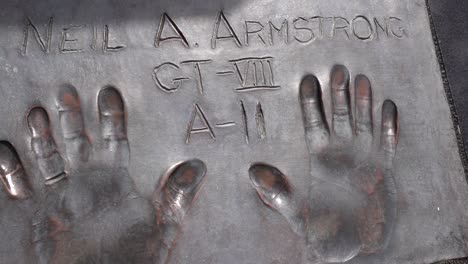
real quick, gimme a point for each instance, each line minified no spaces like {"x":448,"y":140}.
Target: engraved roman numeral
{"x":254,"y":73}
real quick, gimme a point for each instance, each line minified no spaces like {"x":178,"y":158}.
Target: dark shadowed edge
{"x":453,"y":112}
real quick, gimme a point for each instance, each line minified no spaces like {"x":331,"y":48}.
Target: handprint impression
{"x":351,"y":205}
{"x":89,"y":211}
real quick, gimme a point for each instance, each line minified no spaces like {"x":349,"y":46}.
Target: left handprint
{"x":87,"y":210}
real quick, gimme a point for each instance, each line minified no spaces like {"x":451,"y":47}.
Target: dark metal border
{"x":453,"y":111}
{"x":448,"y":92}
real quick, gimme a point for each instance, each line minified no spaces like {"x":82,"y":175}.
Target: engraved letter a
{"x":176,"y":32}
{"x":231,"y":34}
{"x":206,"y":128}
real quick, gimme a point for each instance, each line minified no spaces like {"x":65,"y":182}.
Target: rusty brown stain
{"x":338,"y":77}
{"x":71,"y":101}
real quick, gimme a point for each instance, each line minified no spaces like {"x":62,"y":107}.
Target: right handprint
{"x":351,"y":205}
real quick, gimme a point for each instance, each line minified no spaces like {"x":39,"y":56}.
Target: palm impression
{"x":351,"y":207}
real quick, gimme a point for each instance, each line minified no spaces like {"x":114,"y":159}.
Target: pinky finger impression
{"x":12,"y":174}
{"x":389,"y":131}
